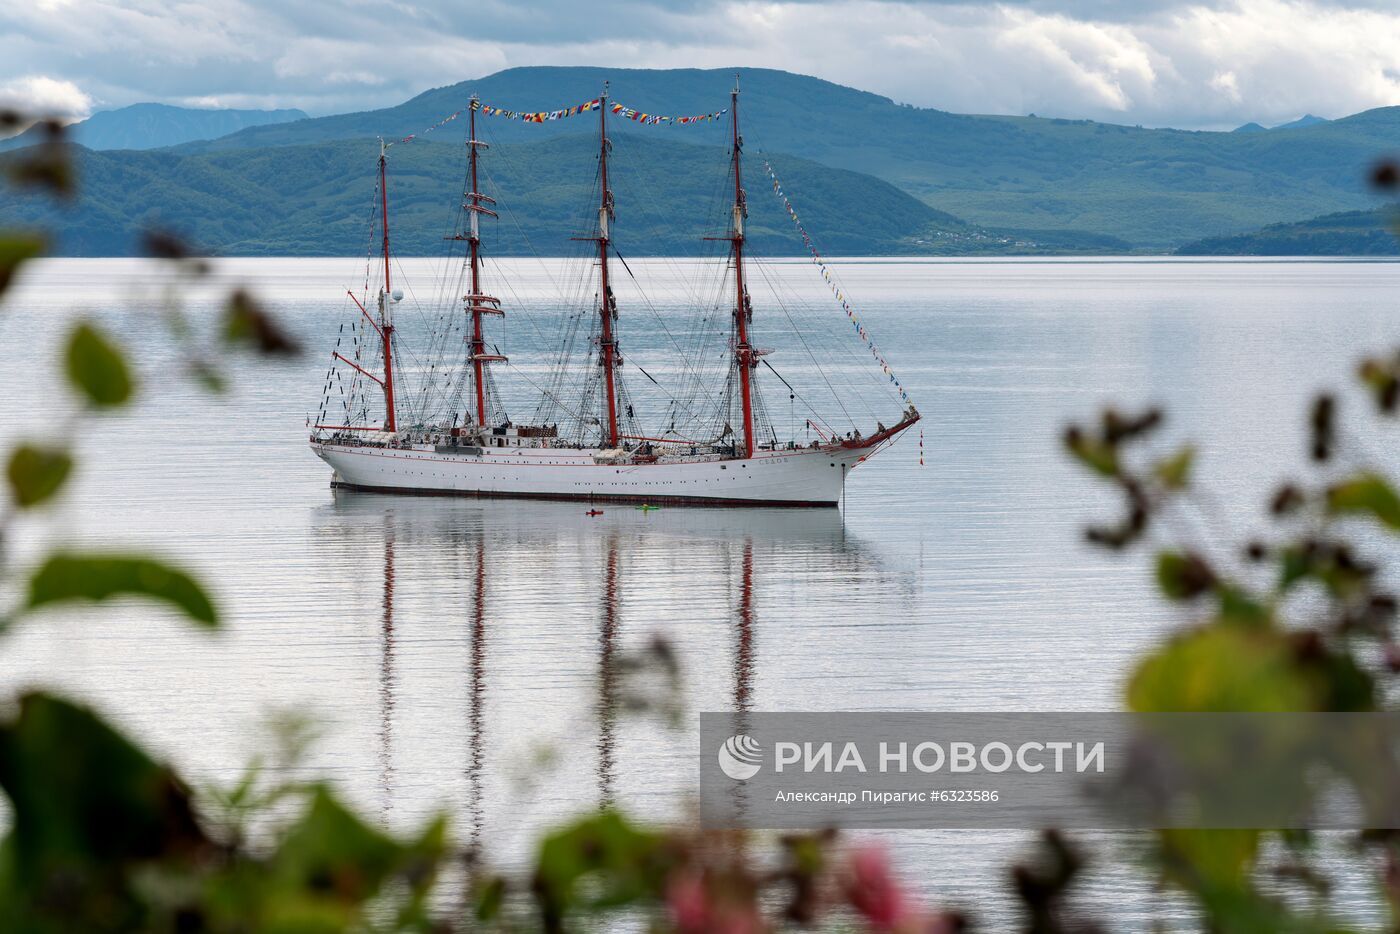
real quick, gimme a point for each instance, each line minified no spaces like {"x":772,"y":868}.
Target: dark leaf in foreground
{"x":97,"y":368}
{"x":1322,"y":421}
{"x":68,"y":577}
{"x":247,"y":323}
{"x":1379,"y":375}
{"x":87,"y":808}
{"x":162,"y":244}
{"x":489,"y":898}
{"x":332,"y":854}
{"x":47,"y":165}
{"x":1287,"y":499}
{"x":1043,"y":885}
{"x":1183,"y":576}
{"x":622,"y":863}
{"x":14,"y":250}
{"x":330,"y":864}
{"x":37,"y":473}
{"x":1386,"y":176}
{"x":1118,"y":427}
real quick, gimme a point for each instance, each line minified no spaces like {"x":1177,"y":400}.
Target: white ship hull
{"x":794,"y":477}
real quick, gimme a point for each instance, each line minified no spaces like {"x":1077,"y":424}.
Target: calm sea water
{"x":442,"y":644}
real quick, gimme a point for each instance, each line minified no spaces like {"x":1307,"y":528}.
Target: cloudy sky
{"x":1211,"y":63}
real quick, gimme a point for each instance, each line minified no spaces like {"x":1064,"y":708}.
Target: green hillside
{"x":150,"y":126}
{"x":1349,"y":233}
{"x":316,"y":199}
{"x":1155,"y":188}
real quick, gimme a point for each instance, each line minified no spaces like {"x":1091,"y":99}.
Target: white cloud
{"x":1228,"y":84}
{"x":44,"y":96}
{"x":1106,"y":65}
{"x":1163,"y":62}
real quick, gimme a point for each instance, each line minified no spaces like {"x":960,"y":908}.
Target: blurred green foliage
{"x":36,"y":473}
{"x":96,"y":368}
{"x":67,"y":577}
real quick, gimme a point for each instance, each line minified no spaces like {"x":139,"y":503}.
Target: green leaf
{"x":1366,"y":493}
{"x":623,"y":863}
{"x":329,"y":872}
{"x":1211,"y":860}
{"x":36,"y":473}
{"x":1341,"y":683}
{"x":1222,"y":668}
{"x":1175,"y":471}
{"x":1294,"y":565}
{"x":1380,"y":377}
{"x":489,"y":898}
{"x":207,"y":376}
{"x":14,"y":250}
{"x":1097,"y":455}
{"x":66,"y":577}
{"x":332,"y":855}
{"x":1239,"y":607}
{"x":97,"y":368}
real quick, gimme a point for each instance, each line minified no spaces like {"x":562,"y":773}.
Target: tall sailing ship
{"x":593,"y":447}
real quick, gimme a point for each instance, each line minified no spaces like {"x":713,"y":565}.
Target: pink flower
{"x":695,"y":909}
{"x":685,"y":897}
{"x":874,"y":892}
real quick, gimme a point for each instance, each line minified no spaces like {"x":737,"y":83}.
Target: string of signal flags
{"x":547,"y":116}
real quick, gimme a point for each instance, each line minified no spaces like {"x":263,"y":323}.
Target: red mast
{"x":744,"y":356}
{"x":386,"y":324}
{"x":478,"y":304}
{"x":608,"y":306}
{"x":609,"y":358}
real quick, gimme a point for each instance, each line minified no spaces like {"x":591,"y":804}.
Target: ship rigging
{"x":450,"y":432}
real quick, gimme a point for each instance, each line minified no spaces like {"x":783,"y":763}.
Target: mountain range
{"x":988,"y":183}
{"x":1346,"y":233}
{"x":1304,"y":120}
{"x":316,"y":200}
{"x":152,"y":126}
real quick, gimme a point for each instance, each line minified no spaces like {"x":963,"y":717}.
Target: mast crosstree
{"x":477,"y":302}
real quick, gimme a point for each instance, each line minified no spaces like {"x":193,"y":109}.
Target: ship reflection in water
{"x":511,"y":675}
